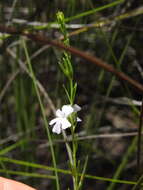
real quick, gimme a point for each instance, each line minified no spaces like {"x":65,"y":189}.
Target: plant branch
{"x":139,"y":142}
{"x":44,"y":40}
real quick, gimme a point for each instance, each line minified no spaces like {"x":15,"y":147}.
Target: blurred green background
{"x":110,"y":30}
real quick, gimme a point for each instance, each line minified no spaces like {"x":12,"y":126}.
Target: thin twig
{"x":108,"y":21}
{"x":44,"y":40}
{"x":41,"y":88}
{"x":139,"y":141}
{"x":91,"y":137}
{"x":43,"y":91}
{"x":6,"y":87}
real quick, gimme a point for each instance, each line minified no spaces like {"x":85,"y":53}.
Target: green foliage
{"x":102,"y":145}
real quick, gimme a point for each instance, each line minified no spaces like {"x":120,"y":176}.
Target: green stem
{"x":43,"y":113}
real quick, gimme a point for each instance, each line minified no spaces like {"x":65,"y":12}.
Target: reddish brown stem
{"x":44,"y":40}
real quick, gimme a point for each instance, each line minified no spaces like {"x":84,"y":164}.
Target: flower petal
{"x":78,"y":119}
{"x":65,"y":123}
{"x":59,"y":113}
{"x":57,"y":128}
{"x":53,"y":121}
{"x":67,"y":110}
{"x":76,"y":108}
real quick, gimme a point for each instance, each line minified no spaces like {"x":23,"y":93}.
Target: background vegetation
{"x":110,"y":30}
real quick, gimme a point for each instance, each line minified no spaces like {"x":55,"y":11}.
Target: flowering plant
{"x":61,"y":121}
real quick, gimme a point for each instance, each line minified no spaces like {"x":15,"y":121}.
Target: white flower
{"x":76,"y":109}
{"x":61,"y":122}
